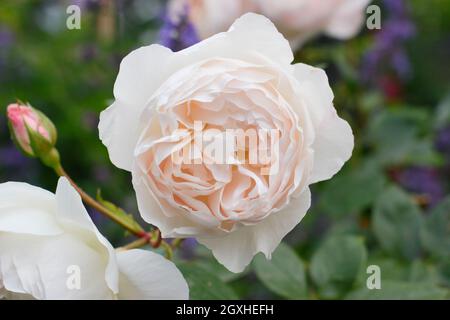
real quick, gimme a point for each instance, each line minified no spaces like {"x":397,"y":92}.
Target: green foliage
{"x":396,"y":223}
{"x":435,"y":232}
{"x":284,"y":274}
{"x":121,"y":215}
{"x":336,"y":264}
{"x":400,"y":290}
{"x":398,"y":136}
{"x":352,"y":190}
{"x":205,"y":285}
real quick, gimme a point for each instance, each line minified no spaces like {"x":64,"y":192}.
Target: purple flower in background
{"x":6,"y":38}
{"x":11,"y":158}
{"x":442,"y":144}
{"x":87,"y":4}
{"x":177,"y":32}
{"x":101,"y":174}
{"x":6,"y":41}
{"x":88,"y":52}
{"x":422,"y":181}
{"x":96,"y":216}
{"x":188,"y":247}
{"x":388,"y":53}
{"x":89,"y":120}
{"x":443,"y":141}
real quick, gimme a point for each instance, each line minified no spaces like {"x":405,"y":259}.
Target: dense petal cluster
{"x":242,"y":79}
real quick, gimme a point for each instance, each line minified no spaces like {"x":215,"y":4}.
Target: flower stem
{"x":154,"y":240}
{"x":135,"y":244}
{"x":135,"y":230}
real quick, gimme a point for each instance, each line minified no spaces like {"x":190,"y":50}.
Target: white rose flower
{"x":50,"y":249}
{"x":210,"y":16}
{"x":240,"y":79}
{"x":298,"y":20}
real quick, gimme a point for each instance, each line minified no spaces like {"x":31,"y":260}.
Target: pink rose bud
{"x":33,"y":132}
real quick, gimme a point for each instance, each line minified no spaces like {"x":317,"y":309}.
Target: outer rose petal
{"x":145,"y":275}
{"x":119,"y":133}
{"x":71,"y":210}
{"x":250,"y":35}
{"x":209,"y":16}
{"x":258,"y":33}
{"x":333,"y":143}
{"x":141,"y":73}
{"x":332,"y":148}
{"x":38,"y":266}
{"x":36,"y":217}
{"x":347,"y":20}
{"x":236,"y":250}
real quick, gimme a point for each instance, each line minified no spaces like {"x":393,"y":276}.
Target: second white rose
{"x":298,"y":20}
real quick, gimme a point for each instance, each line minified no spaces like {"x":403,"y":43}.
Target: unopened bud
{"x":32,"y":131}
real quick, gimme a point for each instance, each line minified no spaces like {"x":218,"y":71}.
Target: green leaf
{"x":394,"y":290}
{"x":396,"y":223}
{"x":419,"y":271}
{"x":398,"y":136}
{"x":402,"y":271}
{"x":444,"y":271}
{"x":204,"y":285}
{"x":442,"y":117}
{"x":284,"y":274}
{"x":352,"y":191}
{"x":336,"y":264}
{"x":435,"y":231}
{"x":213,"y":266}
{"x":126,"y":218}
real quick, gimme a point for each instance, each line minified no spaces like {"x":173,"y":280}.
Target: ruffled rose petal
{"x":71,"y":210}
{"x":141,"y":73}
{"x":347,"y":19}
{"x":233,"y":80}
{"x":256,"y":32}
{"x":38,"y":267}
{"x":145,"y":275}
{"x":237,"y":249}
{"x":333,"y":143}
{"x":34,"y":216}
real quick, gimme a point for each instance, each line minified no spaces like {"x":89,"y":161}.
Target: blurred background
{"x":388,"y":207}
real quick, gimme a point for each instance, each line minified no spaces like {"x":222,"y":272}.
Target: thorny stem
{"x":137,"y":231}
{"x":152,"y":238}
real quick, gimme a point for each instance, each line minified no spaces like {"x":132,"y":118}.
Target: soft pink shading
{"x":297,"y":20}
{"x":21,"y":117}
{"x":240,"y":79}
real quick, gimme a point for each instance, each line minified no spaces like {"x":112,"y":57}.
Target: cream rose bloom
{"x":46,"y":238}
{"x":210,"y":16}
{"x":235,"y":80}
{"x":298,"y":20}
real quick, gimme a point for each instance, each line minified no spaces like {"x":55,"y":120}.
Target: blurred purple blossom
{"x":6,"y":41}
{"x":87,"y":4}
{"x":443,"y":141}
{"x":101,"y":174}
{"x":88,"y":52}
{"x":188,"y":247}
{"x":96,"y":216}
{"x":6,"y":38}
{"x":177,"y":32}
{"x":90,"y":120}
{"x":388,"y":53}
{"x":12,"y":158}
{"x":422,"y":181}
